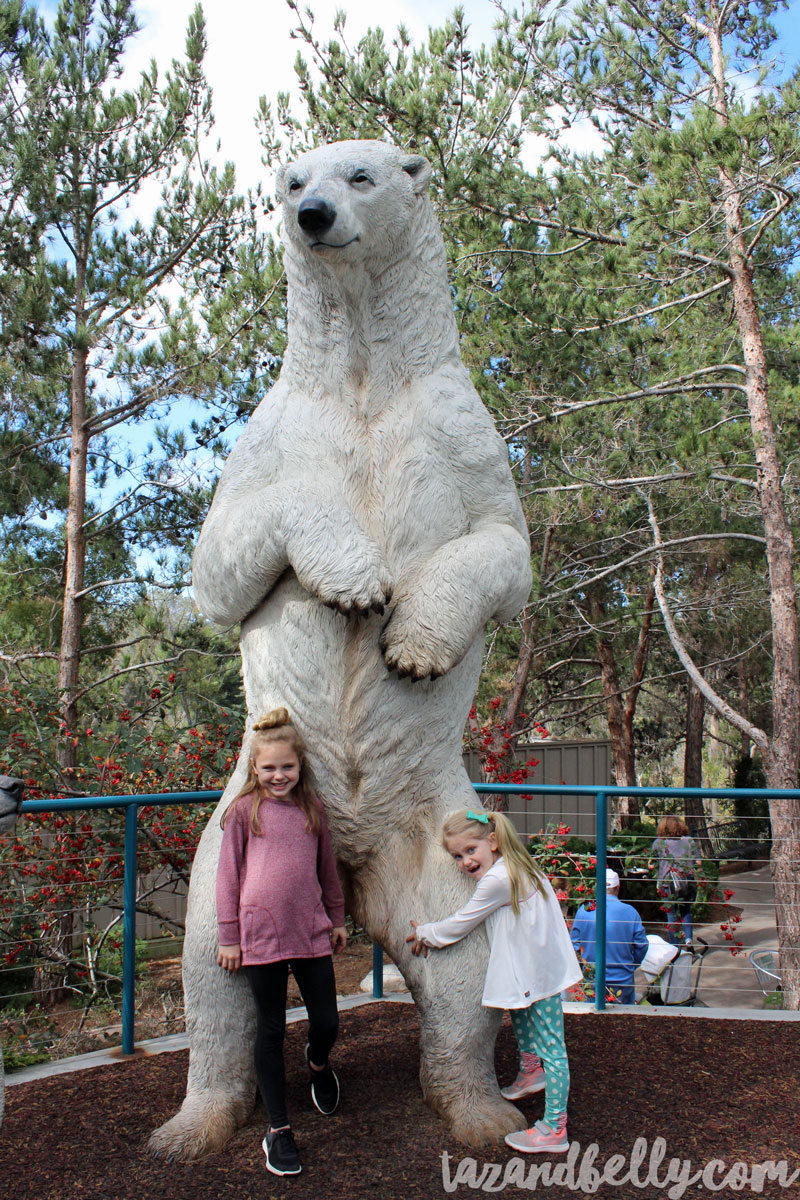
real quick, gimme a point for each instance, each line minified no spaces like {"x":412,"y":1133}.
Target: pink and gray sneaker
{"x":531,"y":1079}
{"x":541,"y":1138}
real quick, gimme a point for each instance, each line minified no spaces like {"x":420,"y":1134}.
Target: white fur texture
{"x":364,"y":530}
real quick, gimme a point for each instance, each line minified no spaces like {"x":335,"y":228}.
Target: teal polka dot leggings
{"x":540,"y":1030}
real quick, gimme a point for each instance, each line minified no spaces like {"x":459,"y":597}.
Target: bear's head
{"x":351,"y":202}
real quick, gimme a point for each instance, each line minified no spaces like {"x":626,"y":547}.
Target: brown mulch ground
{"x":712,"y":1089}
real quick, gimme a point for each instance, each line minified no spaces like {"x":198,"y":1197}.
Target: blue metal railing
{"x":132,"y":804}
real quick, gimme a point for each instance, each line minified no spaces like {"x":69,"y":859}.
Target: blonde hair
{"x":522,"y":870}
{"x":672,"y":826}
{"x":276,"y":727}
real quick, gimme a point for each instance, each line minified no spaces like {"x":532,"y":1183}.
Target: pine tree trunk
{"x":47,"y":982}
{"x":49,"y":976}
{"x":693,"y":766}
{"x":620,"y":733}
{"x":693,"y":753}
{"x":75,"y":569}
{"x":621,"y":708}
{"x":502,"y":745}
{"x":784,"y":749}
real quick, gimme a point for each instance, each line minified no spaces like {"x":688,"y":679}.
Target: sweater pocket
{"x":316,"y":934}
{"x":261,"y":941}
{"x":322,"y":923}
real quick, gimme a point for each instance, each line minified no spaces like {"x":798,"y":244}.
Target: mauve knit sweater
{"x":278,"y":895}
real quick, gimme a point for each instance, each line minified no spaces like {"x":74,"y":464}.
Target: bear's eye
{"x":295,"y":185}
{"x":361,"y":177}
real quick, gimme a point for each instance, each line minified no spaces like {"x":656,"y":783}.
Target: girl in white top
{"x":531,"y":959}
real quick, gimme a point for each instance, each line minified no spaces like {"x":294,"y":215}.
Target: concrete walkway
{"x":727,"y":980}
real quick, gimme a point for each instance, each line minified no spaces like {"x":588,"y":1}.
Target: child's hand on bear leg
{"x":418,"y":947}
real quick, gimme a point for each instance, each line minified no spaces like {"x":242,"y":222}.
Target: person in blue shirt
{"x":626,"y":940}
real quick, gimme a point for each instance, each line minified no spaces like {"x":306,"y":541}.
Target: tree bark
{"x":781,"y":763}
{"x":781,"y":749}
{"x":693,"y":766}
{"x":693,"y":753}
{"x":502,"y":743}
{"x":619,"y":731}
{"x":744,"y":703}
{"x":621,"y":705}
{"x":48,"y":983}
{"x":69,"y":658}
{"x":639,"y":665}
{"x":75,"y":568}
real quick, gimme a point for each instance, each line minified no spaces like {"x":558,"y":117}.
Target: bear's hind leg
{"x":457,"y":1037}
{"x":415,"y":879}
{"x":220,"y":1089}
{"x":220,"y":1023}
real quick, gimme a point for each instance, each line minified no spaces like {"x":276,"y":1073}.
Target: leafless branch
{"x":714,"y":699}
{"x":107,"y":583}
{"x":669,"y":387}
{"x":646,"y":312}
{"x":640,"y":554}
{"x":23,"y":656}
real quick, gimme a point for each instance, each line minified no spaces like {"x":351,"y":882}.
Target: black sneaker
{"x":324,"y":1088}
{"x":281,"y":1151}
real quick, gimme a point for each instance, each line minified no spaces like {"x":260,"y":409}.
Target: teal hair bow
{"x":482,"y":817}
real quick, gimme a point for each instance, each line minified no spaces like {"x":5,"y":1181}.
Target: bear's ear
{"x":420,"y":171}
{"x":280,"y":179}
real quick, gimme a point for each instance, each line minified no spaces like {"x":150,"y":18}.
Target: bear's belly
{"x":375,"y":741}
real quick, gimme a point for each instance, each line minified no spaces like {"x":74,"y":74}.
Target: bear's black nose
{"x":315,"y":215}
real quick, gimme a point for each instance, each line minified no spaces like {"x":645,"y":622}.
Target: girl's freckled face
{"x":277,"y":769}
{"x":473,"y":856}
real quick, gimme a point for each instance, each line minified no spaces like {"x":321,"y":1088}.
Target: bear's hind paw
{"x":195,"y":1131}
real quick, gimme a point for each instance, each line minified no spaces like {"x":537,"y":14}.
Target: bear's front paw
{"x":368,"y":599}
{"x":417,"y":648}
{"x":355,"y":580}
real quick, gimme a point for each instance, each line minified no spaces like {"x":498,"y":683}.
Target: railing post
{"x":377,"y":971}
{"x":129,"y":929}
{"x":601,"y":821}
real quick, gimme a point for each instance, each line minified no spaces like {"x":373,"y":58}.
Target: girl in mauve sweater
{"x":280,"y":904}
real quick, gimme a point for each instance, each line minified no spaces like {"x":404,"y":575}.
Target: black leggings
{"x":317,"y":985}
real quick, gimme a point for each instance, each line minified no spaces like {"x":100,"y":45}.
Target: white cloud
{"x":251,"y":52}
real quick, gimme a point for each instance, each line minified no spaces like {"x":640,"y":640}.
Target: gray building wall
{"x":586,"y":763}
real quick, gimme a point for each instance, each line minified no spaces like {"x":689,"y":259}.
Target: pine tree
{"x":135,"y":298}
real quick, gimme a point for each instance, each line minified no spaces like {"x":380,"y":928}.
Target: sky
{"x":251,"y":52}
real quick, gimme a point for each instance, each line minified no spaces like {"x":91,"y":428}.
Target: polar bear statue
{"x":364,"y":530}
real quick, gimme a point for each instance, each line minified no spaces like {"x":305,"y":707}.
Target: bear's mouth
{"x":335,"y":245}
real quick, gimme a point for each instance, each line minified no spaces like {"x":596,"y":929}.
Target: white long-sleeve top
{"x":531,"y":955}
